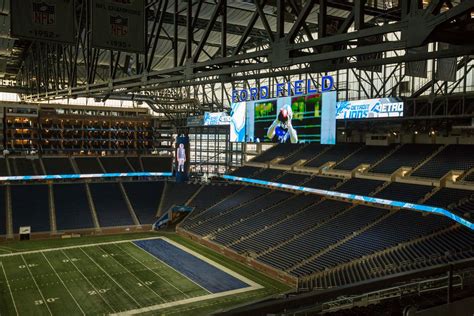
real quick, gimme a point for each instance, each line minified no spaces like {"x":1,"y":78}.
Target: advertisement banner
{"x":216,"y":118}
{"x":193,"y":121}
{"x":372,"y":108}
{"x":43,"y":20}
{"x":119,"y":25}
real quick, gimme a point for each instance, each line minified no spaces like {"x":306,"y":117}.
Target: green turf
{"x":102,"y":279}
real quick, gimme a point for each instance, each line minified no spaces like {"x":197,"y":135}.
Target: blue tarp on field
{"x":199,"y":271}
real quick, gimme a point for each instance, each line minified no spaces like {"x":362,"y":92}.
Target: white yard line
{"x":154,"y":272}
{"x":252,"y":285}
{"x":39,"y":290}
{"x":110,"y":277}
{"x":171,"y":267}
{"x":9,"y":288}
{"x":185,"y":301}
{"x":130,"y":272}
{"x":62,"y":282}
{"x":88,"y":281}
{"x":76,"y":246}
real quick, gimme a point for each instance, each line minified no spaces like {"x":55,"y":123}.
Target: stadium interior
{"x":237,"y":157}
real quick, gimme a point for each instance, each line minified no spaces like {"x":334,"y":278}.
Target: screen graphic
{"x":296,"y":119}
{"x":238,"y":122}
{"x":182,"y":158}
{"x":372,"y":108}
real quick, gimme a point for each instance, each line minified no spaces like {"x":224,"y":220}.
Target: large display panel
{"x":372,"y":108}
{"x":295,"y":119}
{"x":182,"y":158}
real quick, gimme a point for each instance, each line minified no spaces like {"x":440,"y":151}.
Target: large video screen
{"x":296,"y":119}
{"x":372,"y":108}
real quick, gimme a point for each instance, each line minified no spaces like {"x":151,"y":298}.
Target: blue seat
{"x":110,"y":205}
{"x":72,"y":207}
{"x":145,"y":198}
{"x":30,"y":207}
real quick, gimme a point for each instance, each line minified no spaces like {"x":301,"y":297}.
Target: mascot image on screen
{"x":281,"y":130}
{"x":181,"y":155}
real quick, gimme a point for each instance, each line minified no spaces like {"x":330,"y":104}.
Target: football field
{"x":131,"y":277}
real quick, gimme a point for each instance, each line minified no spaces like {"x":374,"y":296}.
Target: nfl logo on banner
{"x":119,"y":26}
{"x":44,"y":14}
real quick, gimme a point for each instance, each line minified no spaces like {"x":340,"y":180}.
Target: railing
{"x":415,"y":288}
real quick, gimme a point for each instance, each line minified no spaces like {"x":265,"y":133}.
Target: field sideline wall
{"x":267,"y":270}
{"x":85,"y":232}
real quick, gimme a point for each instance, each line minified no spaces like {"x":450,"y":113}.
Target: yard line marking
{"x":171,"y":267}
{"x":130,"y":272}
{"x":185,"y":301}
{"x":60,"y":279}
{"x":76,"y":246}
{"x":88,"y":281}
{"x":161,"y":277}
{"x":34,"y":280}
{"x":9,"y":288}
{"x":111,"y":278}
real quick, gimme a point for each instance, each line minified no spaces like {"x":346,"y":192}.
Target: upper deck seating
{"x":408,"y":155}
{"x":306,"y":153}
{"x":157,"y":164}
{"x":88,"y":165}
{"x":57,"y":165}
{"x":135,"y":163}
{"x":294,"y":178}
{"x":246,"y":171}
{"x":336,"y":153}
{"x":22,"y":166}
{"x":323,"y":183}
{"x":360,"y":186}
{"x":404,"y":192}
{"x":452,"y":157}
{"x":279,"y":150}
{"x":367,"y":155}
{"x":115,"y":164}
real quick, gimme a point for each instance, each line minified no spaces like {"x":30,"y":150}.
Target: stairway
{"x":52,"y":210}
{"x":95,"y":219}
{"x":267,"y":227}
{"x":9,"y":210}
{"x":300,"y":234}
{"x":229,"y":210}
{"x":340,"y":242}
{"x":129,"y":204}
{"x":243,"y":219}
{"x":415,"y":168}
{"x":385,"y":157}
{"x":193,"y":216}
{"x":319,"y":277}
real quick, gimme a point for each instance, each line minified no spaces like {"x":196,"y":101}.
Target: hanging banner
{"x":372,"y":108}
{"x":216,"y":118}
{"x":119,"y":25}
{"x":43,"y":20}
